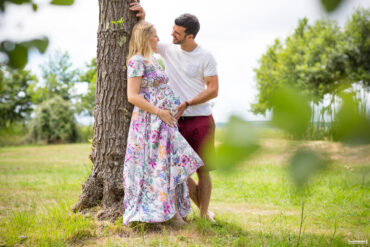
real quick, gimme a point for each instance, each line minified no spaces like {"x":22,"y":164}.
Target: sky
{"x":236,"y":32}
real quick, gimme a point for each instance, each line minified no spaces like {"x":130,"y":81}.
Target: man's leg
{"x":193,"y":191}
{"x":195,"y":195}
{"x":192,"y":185}
{"x":195,"y":131}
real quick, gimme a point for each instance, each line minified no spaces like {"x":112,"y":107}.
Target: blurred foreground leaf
{"x":240,"y":141}
{"x":18,"y":56}
{"x":291,"y":111}
{"x":331,"y":5}
{"x":17,"y":53}
{"x":62,"y":2}
{"x":351,"y":126}
{"x":39,"y":44}
{"x":304,"y":164}
{"x":3,"y":3}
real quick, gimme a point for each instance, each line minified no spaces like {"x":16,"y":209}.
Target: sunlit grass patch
{"x":257,"y":205}
{"x":55,"y":226}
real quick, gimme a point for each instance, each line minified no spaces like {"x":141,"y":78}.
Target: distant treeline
{"x":322,"y":61}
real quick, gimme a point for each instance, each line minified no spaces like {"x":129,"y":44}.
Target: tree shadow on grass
{"x":143,"y":228}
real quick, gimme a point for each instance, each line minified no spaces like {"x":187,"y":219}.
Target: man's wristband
{"x":187,"y":104}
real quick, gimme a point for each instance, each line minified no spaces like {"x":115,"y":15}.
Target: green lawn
{"x":255,"y":206}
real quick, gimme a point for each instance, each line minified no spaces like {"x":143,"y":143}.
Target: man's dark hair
{"x":189,"y":22}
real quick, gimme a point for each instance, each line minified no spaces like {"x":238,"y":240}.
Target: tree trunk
{"x":112,"y":112}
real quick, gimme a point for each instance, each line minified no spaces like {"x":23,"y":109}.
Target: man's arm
{"x":209,"y":93}
{"x":136,"y":7}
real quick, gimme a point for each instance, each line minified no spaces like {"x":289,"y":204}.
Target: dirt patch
{"x":279,"y":151}
{"x":237,"y":208}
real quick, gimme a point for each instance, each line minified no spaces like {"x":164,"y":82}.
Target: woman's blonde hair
{"x":139,"y":43}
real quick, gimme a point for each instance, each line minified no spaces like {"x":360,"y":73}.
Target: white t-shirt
{"x":186,"y":72}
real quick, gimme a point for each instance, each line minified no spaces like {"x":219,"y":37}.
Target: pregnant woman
{"x":158,"y":159}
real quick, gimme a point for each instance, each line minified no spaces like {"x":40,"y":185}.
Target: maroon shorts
{"x":199,"y":131}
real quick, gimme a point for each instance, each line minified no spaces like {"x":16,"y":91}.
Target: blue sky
{"x":237,"y":33}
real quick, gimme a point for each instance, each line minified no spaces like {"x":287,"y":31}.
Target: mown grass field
{"x":255,"y":206}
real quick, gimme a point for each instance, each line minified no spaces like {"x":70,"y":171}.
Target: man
{"x":193,"y":76}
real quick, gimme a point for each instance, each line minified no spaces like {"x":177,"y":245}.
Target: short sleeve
{"x":210,"y":67}
{"x":162,"y":48}
{"x":135,"y":67}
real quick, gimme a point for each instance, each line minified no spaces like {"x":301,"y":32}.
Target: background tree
{"x":357,"y":49}
{"x":310,"y":60}
{"x":112,"y":112}
{"x":16,"y":52}
{"x":54,"y":122}
{"x":58,"y":79}
{"x":14,"y":97}
{"x":320,"y":61}
{"x":87,"y":101}
{"x":357,"y":31}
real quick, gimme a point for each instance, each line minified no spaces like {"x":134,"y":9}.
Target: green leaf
{"x":20,"y":1}
{"x":34,"y":7}
{"x":291,"y":111}
{"x":62,"y":2}
{"x":304,"y":164}
{"x":121,"y":21}
{"x":331,"y":5}
{"x":40,"y":44}
{"x":18,"y":52}
{"x":240,"y":141}
{"x":351,"y":126}
{"x":18,"y":57}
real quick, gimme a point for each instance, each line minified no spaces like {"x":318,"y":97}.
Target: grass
{"x":255,"y":206}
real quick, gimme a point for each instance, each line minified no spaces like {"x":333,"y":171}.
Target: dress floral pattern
{"x":158,"y":158}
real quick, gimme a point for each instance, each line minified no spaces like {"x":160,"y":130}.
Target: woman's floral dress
{"x":158,"y":159}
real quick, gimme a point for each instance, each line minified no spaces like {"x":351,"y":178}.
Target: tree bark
{"x":112,"y":112}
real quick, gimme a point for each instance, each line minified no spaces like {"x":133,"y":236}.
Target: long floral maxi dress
{"x":158,"y":159}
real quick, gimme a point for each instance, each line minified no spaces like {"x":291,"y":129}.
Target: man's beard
{"x":178,"y":42}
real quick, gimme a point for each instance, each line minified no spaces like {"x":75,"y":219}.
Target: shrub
{"x":54,"y":122}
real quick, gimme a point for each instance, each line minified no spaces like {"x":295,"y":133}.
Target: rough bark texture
{"x":112,"y":112}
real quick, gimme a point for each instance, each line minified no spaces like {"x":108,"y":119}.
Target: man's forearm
{"x":210,"y":93}
{"x":203,"y":97}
